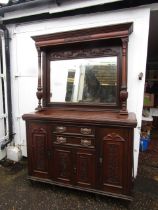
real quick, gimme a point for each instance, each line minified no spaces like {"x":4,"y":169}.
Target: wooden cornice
{"x":78,"y":36}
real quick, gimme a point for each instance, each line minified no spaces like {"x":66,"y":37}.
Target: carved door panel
{"x":38,"y":153}
{"x":85,"y":168}
{"x":62,"y":164}
{"x":114,"y":161}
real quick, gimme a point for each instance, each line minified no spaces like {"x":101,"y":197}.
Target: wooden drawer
{"x":73,"y":141}
{"x":77,"y":130}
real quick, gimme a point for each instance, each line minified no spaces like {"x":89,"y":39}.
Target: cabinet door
{"x":114,"y":159}
{"x":85,"y":168}
{"x":38,"y":150}
{"x":62,"y":164}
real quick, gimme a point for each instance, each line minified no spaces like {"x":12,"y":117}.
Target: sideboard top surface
{"x":83,"y":116}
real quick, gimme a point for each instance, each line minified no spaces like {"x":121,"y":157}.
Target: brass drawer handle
{"x":86,"y":142}
{"x":61,"y":140}
{"x":86,"y":131}
{"x":60,"y":129}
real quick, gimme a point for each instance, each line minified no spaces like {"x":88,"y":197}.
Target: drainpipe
{"x":8,"y":79}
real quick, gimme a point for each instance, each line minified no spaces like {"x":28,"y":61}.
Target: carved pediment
{"x":113,"y":137}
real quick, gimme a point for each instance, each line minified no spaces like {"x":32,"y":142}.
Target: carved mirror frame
{"x":87,"y":43}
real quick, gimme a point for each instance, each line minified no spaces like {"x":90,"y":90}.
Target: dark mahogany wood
{"x":123,"y":92}
{"x":38,"y":150}
{"x":39,"y":92}
{"x":91,"y":151}
{"x":87,"y":43}
{"x":87,"y":147}
{"x":85,"y":168}
{"x":62,"y":164}
{"x":78,"y":36}
{"x":114,"y":149}
{"x":92,"y":117}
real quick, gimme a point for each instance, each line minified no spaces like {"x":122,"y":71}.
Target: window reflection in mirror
{"x":91,"y":80}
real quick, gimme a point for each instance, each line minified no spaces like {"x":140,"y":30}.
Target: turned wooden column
{"x":39,"y":92}
{"x":123,"y":92}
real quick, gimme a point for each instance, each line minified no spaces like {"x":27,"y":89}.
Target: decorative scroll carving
{"x":123,"y":92}
{"x":82,"y":53}
{"x":40,"y":152}
{"x":113,"y":173}
{"x":64,"y":164}
{"x":39,"y":130}
{"x":113,"y":166}
{"x":84,"y":168}
{"x":39,"y":141}
{"x":114,"y":137}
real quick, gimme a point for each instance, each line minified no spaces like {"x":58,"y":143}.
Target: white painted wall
{"x":24,"y":61}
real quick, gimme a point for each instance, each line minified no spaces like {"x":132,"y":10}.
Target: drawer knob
{"x":60,"y":140}
{"x":86,"y":142}
{"x":60,"y":129}
{"x":86,"y":131}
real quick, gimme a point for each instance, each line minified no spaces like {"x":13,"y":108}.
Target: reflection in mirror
{"x":91,"y":80}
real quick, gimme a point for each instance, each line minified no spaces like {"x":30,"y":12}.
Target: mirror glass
{"x":89,"y":80}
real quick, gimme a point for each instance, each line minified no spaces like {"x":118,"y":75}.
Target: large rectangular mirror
{"x":88,"y":80}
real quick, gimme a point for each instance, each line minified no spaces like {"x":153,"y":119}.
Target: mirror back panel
{"x":84,"y":69}
{"x":88,"y":77}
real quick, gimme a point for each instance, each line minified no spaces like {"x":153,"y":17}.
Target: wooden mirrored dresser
{"x":81,"y":134}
